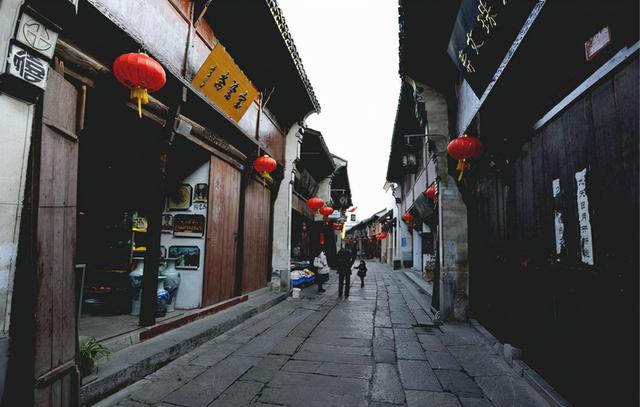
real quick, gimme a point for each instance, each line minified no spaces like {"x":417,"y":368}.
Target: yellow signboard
{"x":222,"y":81}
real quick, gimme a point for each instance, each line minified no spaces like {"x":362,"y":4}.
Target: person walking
{"x":345,"y":262}
{"x":362,"y":272}
{"x":320,"y":263}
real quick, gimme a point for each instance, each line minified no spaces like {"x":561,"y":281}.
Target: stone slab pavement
{"x":377,"y":347}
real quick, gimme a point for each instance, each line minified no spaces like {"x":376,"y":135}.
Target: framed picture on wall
{"x":188,"y":257}
{"x":201,"y":193}
{"x":180,"y":198}
{"x":167,"y":223}
{"x":188,"y":225}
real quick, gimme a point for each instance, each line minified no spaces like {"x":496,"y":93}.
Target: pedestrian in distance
{"x":362,"y":272}
{"x":322,"y":276}
{"x":344,"y":263}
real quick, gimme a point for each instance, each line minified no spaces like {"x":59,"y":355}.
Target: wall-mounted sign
{"x":222,"y":81}
{"x":557,"y":216}
{"x":188,"y":225}
{"x":584,"y":220}
{"x":596,"y":43}
{"x":36,"y":35}
{"x":483,"y":34}
{"x":27,"y":66}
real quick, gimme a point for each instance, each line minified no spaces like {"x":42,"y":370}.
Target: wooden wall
{"x":576,"y":323}
{"x":256,"y":257}
{"x":271,"y":137}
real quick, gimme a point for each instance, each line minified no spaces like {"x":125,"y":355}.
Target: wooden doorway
{"x":256,"y":255}
{"x":222,"y":232}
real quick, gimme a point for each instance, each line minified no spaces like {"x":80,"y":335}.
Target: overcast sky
{"x":349,"y":49}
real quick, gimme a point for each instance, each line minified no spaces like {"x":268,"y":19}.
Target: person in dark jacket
{"x":344,"y":263}
{"x":362,"y":272}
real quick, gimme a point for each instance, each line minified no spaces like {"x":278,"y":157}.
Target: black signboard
{"x":484,"y":33}
{"x":188,"y":225}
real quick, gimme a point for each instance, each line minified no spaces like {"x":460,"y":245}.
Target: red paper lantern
{"x":407,"y":217}
{"x":264,"y":165}
{"x":431,"y":192}
{"x":140,"y":73}
{"x":315,"y":203}
{"x":462,"y":148}
{"x":326,"y":211}
{"x":383,"y":235}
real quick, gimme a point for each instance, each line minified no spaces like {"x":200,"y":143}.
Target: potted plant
{"x":90,"y":351}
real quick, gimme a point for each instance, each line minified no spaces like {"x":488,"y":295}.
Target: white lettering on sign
{"x":584,"y":221}
{"x":596,"y":43}
{"x":557,"y":214}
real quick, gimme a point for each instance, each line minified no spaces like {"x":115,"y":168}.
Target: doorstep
{"x":173,"y":320}
{"x":163,"y":343}
{"x":417,"y":279}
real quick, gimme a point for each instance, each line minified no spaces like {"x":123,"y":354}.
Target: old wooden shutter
{"x":56,"y":372}
{"x":222,"y":231}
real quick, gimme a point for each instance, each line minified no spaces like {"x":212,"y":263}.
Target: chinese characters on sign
{"x":222,"y":81}
{"x":27,"y":67}
{"x":488,"y":19}
{"x":484,"y":33}
{"x":557,"y":216}
{"x":586,"y":240}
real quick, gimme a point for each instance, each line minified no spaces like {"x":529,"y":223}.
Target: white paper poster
{"x":586,"y":241}
{"x":557,"y":214}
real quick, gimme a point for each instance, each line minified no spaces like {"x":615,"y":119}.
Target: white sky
{"x":349,"y":49}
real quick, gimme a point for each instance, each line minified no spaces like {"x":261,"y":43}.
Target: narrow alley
{"x":378,"y":347}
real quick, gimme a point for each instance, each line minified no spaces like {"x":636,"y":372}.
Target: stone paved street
{"x":375,"y":348}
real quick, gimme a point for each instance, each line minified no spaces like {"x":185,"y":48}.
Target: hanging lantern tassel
{"x":460,"y":167}
{"x":141,"y":95}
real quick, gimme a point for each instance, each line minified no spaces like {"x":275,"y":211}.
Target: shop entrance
{"x":117,"y":197}
{"x":117,"y":162}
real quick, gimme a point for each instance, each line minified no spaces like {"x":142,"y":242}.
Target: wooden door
{"x":222,"y":232}
{"x":256,"y":254}
{"x":56,"y":372}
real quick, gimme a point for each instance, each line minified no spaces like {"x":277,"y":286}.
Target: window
{"x":353,"y":218}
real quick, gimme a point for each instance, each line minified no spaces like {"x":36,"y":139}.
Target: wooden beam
{"x":86,"y":64}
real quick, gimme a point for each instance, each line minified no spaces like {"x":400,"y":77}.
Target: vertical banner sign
{"x":557,"y":215}
{"x":484,"y":33}
{"x":586,"y":241}
{"x":222,"y":81}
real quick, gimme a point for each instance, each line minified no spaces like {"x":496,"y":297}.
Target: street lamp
{"x":409,"y":161}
